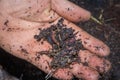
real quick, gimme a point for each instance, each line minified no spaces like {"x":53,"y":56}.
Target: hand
{"x":41,"y":33}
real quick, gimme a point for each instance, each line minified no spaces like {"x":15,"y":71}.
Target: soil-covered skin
{"x":65,"y":47}
{"x":109,"y":33}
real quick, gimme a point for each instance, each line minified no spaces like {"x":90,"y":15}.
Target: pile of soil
{"x":109,"y":33}
{"x":65,"y":47}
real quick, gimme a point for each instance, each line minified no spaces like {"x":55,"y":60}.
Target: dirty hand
{"x":41,"y":33}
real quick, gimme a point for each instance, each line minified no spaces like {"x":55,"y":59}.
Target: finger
{"x":84,"y":72}
{"x":70,"y":11}
{"x":93,"y":61}
{"x":89,"y":42}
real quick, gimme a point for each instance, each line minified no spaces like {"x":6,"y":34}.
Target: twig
{"x":96,"y":20}
{"x":110,"y":19}
{"x":101,"y":15}
{"x":49,"y":74}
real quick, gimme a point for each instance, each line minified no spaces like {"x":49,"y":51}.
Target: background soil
{"x":109,"y":33}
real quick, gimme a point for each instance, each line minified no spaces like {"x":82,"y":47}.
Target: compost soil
{"x":109,"y":33}
{"x":65,"y":47}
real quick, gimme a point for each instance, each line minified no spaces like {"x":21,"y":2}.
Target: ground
{"x":109,"y":33}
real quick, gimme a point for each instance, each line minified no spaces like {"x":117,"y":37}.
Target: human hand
{"x":35,"y":32}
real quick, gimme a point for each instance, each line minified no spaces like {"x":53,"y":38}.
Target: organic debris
{"x":65,"y":47}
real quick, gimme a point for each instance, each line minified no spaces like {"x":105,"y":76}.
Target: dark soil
{"x":109,"y":33}
{"x":65,"y":47}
